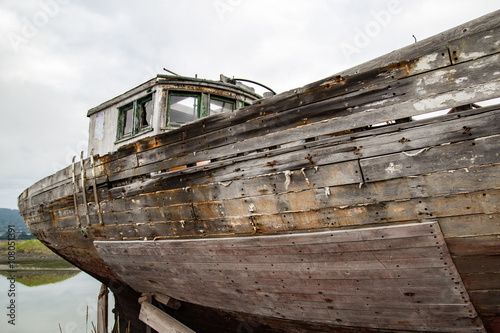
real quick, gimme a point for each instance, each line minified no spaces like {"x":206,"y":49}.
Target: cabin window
{"x":135,"y":117}
{"x":126,"y":120}
{"x":183,"y":108}
{"x":220,"y":105}
{"x":145,"y":111}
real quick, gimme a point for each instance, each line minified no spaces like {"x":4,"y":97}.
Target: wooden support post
{"x":102,"y":310}
{"x":160,"y":321}
{"x":168,"y":301}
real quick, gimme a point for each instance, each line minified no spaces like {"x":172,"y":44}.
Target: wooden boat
{"x":328,"y":208}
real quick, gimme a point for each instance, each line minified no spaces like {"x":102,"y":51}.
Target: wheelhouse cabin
{"x":161,"y":104}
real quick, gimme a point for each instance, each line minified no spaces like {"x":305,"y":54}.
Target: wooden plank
{"x":481,"y":281}
{"x":454,"y":156}
{"x":302,"y":268}
{"x":478,"y":264}
{"x":488,"y":244}
{"x":351,"y":251}
{"x":426,"y":46}
{"x":475,"y":46}
{"x":342,"y":252}
{"x":366,"y":214}
{"x":160,"y":321}
{"x":488,"y":300}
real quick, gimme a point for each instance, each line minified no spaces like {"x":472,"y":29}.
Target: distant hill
{"x":12,"y":217}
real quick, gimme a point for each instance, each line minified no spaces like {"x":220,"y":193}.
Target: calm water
{"x":43,"y":308}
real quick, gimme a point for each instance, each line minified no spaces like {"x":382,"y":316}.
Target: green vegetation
{"x":25,"y":248}
{"x":12,"y":217}
{"x":33,"y":254}
{"x":33,"y":246}
{"x":39,"y":278}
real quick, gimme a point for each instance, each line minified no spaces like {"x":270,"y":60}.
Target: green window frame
{"x":220,"y":104}
{"x":144,"y":112}
{"x":125,"y":121}
{"x":135,"y":117}
{"x":183,"y":107}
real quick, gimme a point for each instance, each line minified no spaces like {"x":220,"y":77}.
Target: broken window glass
{"x":145,"y":107}
{"x":135,"y":117}
{"x":127,"y":116}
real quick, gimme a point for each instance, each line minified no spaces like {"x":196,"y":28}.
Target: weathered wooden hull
{"x":307,"y":217}
{"x":396,"y":277}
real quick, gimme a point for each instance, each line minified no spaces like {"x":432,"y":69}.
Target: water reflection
{"x":48,"y":299}
{"x":34,"y":278}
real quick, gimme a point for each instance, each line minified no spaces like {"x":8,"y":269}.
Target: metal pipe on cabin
{"x":166,"y":70}
{"x":255,"y":82}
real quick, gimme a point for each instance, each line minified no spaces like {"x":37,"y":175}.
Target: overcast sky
{"x":59,"y":58}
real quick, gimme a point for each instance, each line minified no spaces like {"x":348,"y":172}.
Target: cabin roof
{"x":223,"y":83}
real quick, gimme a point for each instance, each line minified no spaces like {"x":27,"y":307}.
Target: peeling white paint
{"x":425,"y":63}
{"x":476,"y":65}
{"x":492,"y":89}
{"x":377,"y":104}
{"x":473,"y":55}
{"x":450,"y":99}
{"x":437,"y":77}
{"x":445,"y":100}
{"x":392,"y":168}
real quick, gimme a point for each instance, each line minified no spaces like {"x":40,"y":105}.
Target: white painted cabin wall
{"x":109,"y":143}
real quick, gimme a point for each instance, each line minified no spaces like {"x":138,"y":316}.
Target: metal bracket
{"x":75,"y":191}
{"x":83,"y":189}
{"x":94,"y":185}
